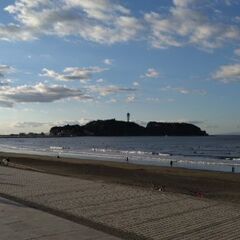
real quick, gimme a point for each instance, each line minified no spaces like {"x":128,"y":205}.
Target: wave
{"x":54,"y":148}
{"x":129,"y":152}
{"x":150,"y":151}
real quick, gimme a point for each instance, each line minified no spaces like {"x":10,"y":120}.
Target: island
{"x":112,"y":127}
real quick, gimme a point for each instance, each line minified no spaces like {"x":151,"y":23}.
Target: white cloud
{"x":237,"y":51}
{"x":153,"y":99}
{"x":228,"y":73}
{"x":100,"y":80}
{"x":29,"y":124}
{"x":131,"y":98}
{"x":170,"y":100}
{"x":152,"y":73}
{"x":80,"y":121}
{"x":112,"y":100}
{"x":107,"y":90}
{"x":108,"y":61}
{"x":45,"y":93}
{"x":73,"y":73}
{"x":101,"y":21}
{"x":6,"y":104}
{"x":184,"y":91}
{"x":5,"y":69}
{"x":231,"y":2}
{"x":109,"y":22}
{"x":40,"y":93}
{"x":157,"y":99}
{"x":15,"y":32}
{"x":237,"y":19}
{"x":186,"y":23}
{"x":136,"y":84}
{"x":183,"y":3}
{"x":5,"y":82}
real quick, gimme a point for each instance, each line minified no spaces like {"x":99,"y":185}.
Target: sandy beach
{"x":213,"y":185}
{"x":124,"y":200}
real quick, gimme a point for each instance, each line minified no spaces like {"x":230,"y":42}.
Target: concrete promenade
{"x":127,"y":211}
{"x":18,"y":222}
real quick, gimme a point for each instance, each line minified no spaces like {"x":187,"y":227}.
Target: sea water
{"x":217,"y":153}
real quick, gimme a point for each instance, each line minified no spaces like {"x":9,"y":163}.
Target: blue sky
{"x":71,"y":61}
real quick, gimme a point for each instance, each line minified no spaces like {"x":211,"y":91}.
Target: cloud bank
{"x":185,"y":22}
{"x":228,"y":73}
{"x":72,"y":73}
{"x":39,"y":93}
{"x":5,"y":69}
{"x":101,"y":21}
{"x":152,"y":73}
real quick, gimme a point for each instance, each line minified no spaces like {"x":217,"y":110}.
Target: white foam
{"x":55,"y":148}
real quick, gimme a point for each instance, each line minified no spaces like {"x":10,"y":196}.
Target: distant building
{"x":128,"y":117}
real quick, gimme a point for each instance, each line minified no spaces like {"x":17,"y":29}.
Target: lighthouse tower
{"x":128,"y":117}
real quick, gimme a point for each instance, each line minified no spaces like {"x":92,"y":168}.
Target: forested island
{"x":113,"y":127}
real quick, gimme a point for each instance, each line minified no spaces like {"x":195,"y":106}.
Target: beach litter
{"x":199,"y":194}
{"x":159,"y":188}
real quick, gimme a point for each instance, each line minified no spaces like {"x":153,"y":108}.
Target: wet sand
{"x":213,"y":185}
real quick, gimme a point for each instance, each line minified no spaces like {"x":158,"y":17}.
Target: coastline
{"x":213,"y":185}
{"x":203,"y":153}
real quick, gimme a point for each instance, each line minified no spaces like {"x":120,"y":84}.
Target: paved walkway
{"x":134,"y":212}
{"x":18,"y":222}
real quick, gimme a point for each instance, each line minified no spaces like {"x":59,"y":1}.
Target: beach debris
{"x":5,"y":161}
{"x":199,"y":194}
{"x":162,"y":188}
{"x":159,"y":188}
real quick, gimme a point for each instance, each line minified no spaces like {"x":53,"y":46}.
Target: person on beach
{"x":127,"y":159}
{"x":5,"y":161}
{"x":171,"y":163}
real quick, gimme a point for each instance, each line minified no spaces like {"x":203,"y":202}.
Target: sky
{"x":73,"y":61}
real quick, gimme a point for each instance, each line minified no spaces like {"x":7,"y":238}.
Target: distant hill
{"x":173,"y":129}
{"x":113,"y":127}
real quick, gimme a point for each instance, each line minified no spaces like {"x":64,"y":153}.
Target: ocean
{"x":214,"y":153}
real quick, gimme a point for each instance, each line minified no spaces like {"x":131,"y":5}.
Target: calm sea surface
{"x":211,"y":153}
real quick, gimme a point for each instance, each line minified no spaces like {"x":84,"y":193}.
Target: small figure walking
{"x":171,"y":163}
{"x":233,"y":169}
{"x":127,"y":159}
{"x":5,"y":161}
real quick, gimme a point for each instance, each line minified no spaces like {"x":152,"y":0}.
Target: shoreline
{"x":211,"y":153}
{"x":188,"y":163}
{"x":213,"y":185}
